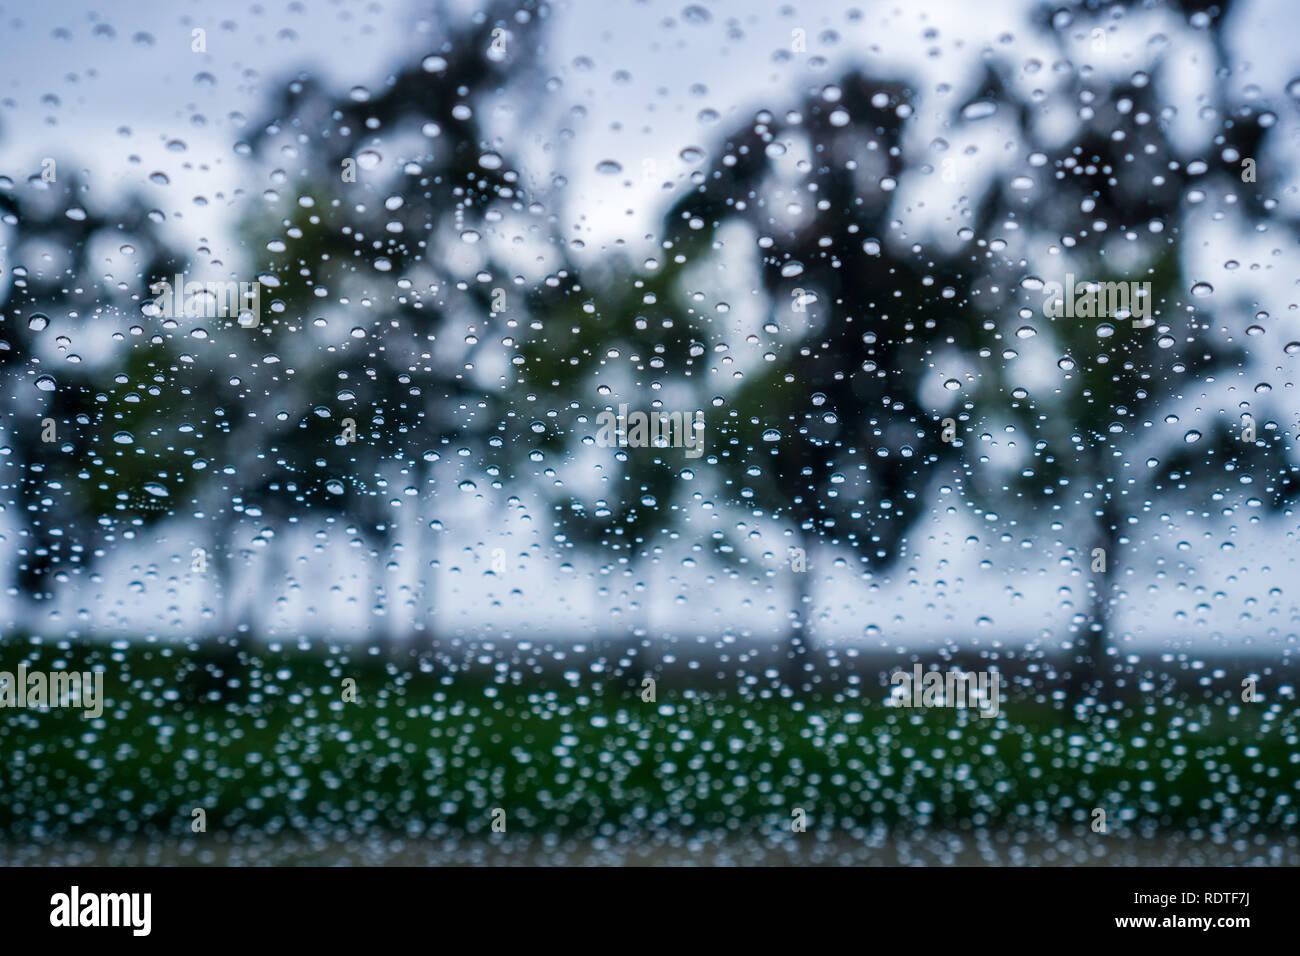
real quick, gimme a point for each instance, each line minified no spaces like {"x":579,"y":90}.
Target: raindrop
{"x":697,"y":14}
{"x":980,"y":109}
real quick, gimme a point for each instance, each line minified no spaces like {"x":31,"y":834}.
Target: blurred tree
{"x":95,"y":450}
{"x":1091,"y":441}
{"x":388,"y":299}
{"x":387,"y":257}
{"x":600,"y":340}
{"x":829,"y":432}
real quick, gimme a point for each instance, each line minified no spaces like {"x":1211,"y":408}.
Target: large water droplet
{"x":980,"y":109}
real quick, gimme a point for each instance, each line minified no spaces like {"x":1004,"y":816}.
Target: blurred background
{"x":365,"y":583}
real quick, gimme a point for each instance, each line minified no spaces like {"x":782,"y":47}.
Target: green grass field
{"x":264,"y":743}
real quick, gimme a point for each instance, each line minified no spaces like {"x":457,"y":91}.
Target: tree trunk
{"x":644,"y":613}
{"x":223,"y":576}
{"x":272,"y":577}
{"x":798,"y":649}
{"x":1092,"y":644}
{"x":424,"y":597}
{"x":375,"y":595}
